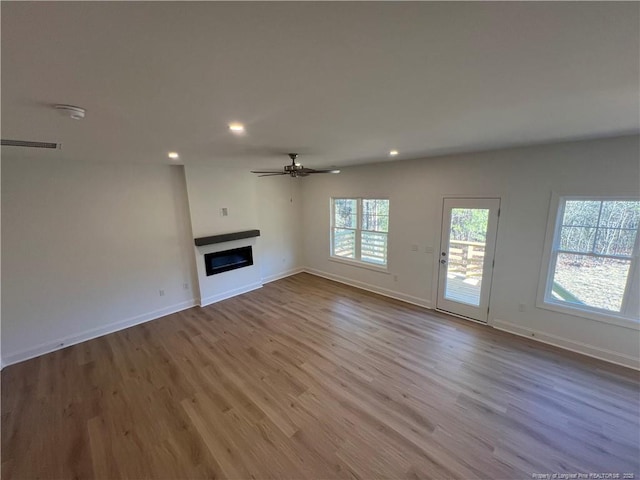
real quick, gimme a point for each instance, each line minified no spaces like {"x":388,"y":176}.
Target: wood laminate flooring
{"x":307,"y":378}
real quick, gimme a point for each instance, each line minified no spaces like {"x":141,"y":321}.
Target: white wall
{"x":252,"y":203}
{"x":524,"y":178}
{"x":86,"y":249}
{"x":279,"y":219}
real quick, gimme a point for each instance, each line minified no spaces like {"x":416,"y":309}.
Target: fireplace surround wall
{"x":227,"y":254}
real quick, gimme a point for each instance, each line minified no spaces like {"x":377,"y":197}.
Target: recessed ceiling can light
{"x":76,"y":113}
{"x":173,"y":155}
{"x":236,"y":127}
{"x":393,"y":153}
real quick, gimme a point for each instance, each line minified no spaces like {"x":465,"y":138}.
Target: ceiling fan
{"x":293,"y":170}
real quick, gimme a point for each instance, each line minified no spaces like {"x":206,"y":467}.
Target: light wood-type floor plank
{"x":308,"y":378}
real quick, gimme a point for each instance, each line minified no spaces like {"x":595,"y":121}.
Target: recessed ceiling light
{"x":173,"y":155}
{"x":236,"y":127}
{"x":71,"y":111}
{"x":393,"y":153}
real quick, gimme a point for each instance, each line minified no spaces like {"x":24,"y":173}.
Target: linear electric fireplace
{"x":218,"y":262}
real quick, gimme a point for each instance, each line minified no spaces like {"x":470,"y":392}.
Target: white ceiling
{"x":341,"y":82}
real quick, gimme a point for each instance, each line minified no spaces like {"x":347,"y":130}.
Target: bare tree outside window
{"x":593,"y":252}
{"x":359,"y":229}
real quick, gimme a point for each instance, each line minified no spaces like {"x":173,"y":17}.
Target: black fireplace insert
{"x":218,"y":262}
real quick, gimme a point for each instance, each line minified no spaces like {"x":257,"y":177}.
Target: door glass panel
{"x":465,"y":258}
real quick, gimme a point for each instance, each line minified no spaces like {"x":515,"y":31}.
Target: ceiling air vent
{"x":25,"y":143}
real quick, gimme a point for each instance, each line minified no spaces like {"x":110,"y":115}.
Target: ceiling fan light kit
{"x":294,"y":170}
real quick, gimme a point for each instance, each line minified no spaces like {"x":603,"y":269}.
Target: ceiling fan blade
{"x":314,"y":170}
{"x":266,"y":171}
{"x":271,"y":174}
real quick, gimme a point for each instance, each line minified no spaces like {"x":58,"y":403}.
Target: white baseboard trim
{"x":278,"y":276}
{"x":229,"y":293}
{"x":566,"y":344}
{"x":64,"y":342}
{"x":371,"y":288}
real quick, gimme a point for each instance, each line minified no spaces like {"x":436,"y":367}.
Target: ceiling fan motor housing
{"x":293,"y":168}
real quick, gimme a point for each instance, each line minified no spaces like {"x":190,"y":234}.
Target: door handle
{"x":443,"y":261}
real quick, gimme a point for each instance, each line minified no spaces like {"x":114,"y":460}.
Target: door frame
{"x":438,"y":250}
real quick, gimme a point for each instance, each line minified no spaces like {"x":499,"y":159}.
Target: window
{"x":359,"y":229}
{"x":594,"y":255}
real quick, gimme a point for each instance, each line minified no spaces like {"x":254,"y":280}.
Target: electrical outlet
{"x":395,"y":278}
{"x":521,"y":307}
{"x":161,"y":292}
{"x":414,"y":248}
{"x":224,"y":212}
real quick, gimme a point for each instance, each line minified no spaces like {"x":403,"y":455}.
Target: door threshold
{"x":463,"y":317}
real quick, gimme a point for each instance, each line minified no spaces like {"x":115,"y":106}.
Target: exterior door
{"x":467,"y":249}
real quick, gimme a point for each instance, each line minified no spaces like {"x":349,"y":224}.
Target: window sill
{"x":359,"y":264}
{"x":591,"y":315}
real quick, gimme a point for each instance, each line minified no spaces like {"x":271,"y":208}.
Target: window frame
{"x":357,"y":260}
{"x":544,"y":300}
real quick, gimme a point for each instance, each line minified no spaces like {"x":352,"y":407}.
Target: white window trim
{"x":545,"y":302}
{"x":356,"y":262}
{"x":360,"y":263}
